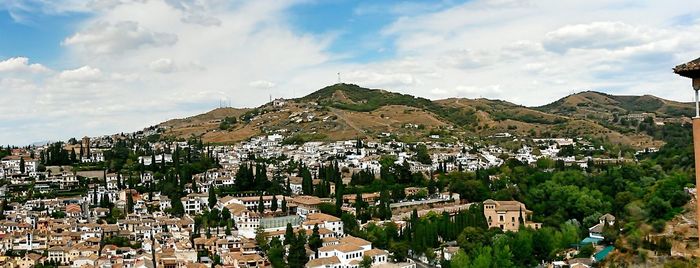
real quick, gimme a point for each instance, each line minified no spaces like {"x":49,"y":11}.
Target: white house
{"x":347,"y":254}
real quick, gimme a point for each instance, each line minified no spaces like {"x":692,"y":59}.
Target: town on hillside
{"x":144,"y":200}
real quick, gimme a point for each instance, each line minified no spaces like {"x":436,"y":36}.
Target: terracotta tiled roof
{"x":322,"y":217}
{"x":306,"y":200}
{"x":355,"y":241}
{"x":688,"y":69}
{"x":322,"y":262}
{"x":73,"y":208}
{"x":375,"y":252}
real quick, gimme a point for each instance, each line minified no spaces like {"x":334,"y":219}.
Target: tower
{"x":692,"y":70}
{"x":85,"y":147}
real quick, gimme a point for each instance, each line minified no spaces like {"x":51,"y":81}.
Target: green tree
{"x":315,"y":241}
{"x":225,"y":216}
{"x":284,"y":205}
{"x":339,"y":191}
{"x":366,"y":262}
{"x":502,"y":256}
{"x":273,"y":205}
{"x":275,"y":253}
{"x":422,"y":154}
{"x":658,"y":208}
{"x":228,"y":229}
{"x":261,"y":238}
{"x":289,"y":234}
{"x":522,"y":248}
{"x":177,"y":209}
{"x":129,"y":202}
{"x":460,"y":259}
{"x":307,"y":185}
{"x":22,"y":168}
{"x":212,"y":197}
{"x":261,"y":205}
{"x":483,"y":258}
{"x":471,"y":238}
{"x":586,"y":251}
{"x":297,"y":252}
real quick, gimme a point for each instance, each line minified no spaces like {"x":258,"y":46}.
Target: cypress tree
{"x":273,"y":206}
{"x":359,"y":204}
{"x":315,"y":241}
{"x":94,"y":195}
{"x":22,"y":168}
{"x":521,"y":220}
{"x":307,"y":184}
{"x":289,"y":235}
{"x":228,"y":228}
{"x":129,"y":202}
{"x":162,"y":158}
{"x":284,"y":205}
{"x":339,"y":189}
{"x":297,"y":252}
{"x":288,"y":188}
{"x":261,"y":205}
{"x":212,"y":196}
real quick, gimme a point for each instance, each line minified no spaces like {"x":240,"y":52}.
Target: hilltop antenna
{"x":338,"y":78}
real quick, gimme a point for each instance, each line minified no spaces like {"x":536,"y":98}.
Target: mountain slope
{"x":345,"y":111}
{"x":199,"y":124}
{"x":595,"y":104}
{"x":359,"y":99}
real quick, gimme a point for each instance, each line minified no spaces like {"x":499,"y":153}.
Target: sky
{"x":70,"y":68}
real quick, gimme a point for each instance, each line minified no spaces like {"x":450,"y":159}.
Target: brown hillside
{"x":345,"y":111}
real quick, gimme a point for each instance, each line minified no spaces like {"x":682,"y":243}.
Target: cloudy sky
{"x":70,"y":68}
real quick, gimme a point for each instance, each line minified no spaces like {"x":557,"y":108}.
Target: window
{"x":501,"y":218}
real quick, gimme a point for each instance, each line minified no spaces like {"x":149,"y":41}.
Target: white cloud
{"x":261,"y":84}
{"x":176,"y":58}
{"x":107,"y":38}
{"x":383,"y":79}
{"x":163,"y":65}
{"x":195,"y":11}
{"x":82,"y":74}
{"x":595,"y":35}
{"x":21,"y":64}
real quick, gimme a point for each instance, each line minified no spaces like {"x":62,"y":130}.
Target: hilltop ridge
{"x":348,"y":111}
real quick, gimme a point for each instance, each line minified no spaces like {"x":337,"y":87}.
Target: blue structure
{"x":600,"y":256}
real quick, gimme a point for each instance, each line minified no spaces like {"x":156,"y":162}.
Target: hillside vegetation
{"x":346,"y":111}
{"x":591,"y":103}
{"x":359,"y":99}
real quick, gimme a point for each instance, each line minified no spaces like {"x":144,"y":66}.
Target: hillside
{"x":199,"y":124}
{"x":345,"y":111}
{"x":355,"y":98}
{"x":595,"y":105}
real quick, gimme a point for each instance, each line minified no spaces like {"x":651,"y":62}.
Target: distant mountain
{"x":346,"y":111}
{"x":594,"y":104}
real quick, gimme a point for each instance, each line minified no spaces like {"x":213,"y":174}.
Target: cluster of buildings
{"x":74,"y":230}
